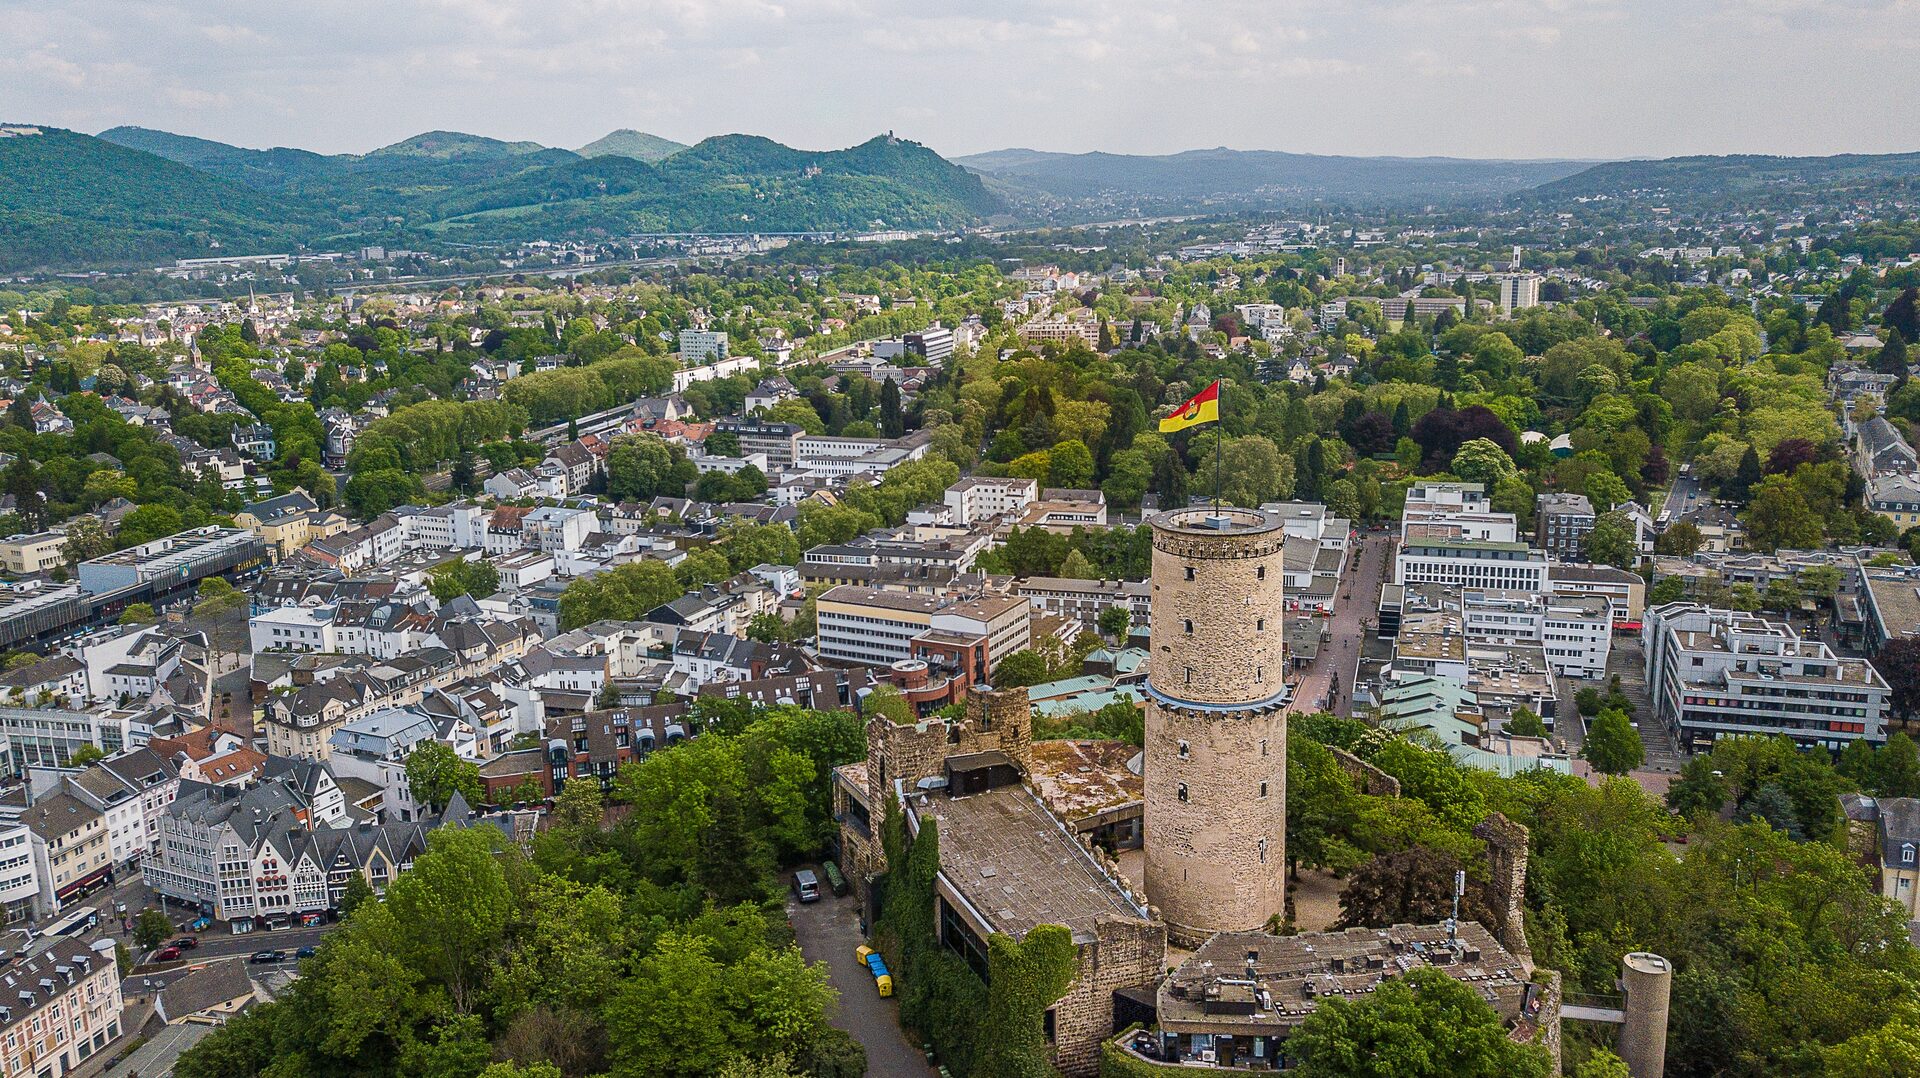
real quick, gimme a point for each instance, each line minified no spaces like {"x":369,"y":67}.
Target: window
{"x":1263,"y":791}
{"x":1906,"y":852}
{"x":1047,"y":1025}
{"x":1189,"y":572}
{"x":1185,"y":754}
{"x":1260,"y":572}
{"x":1182,"y":789}
{"x":1186,"y":624}
{"x":1263,"y":851}
{"x":1260,"y":624}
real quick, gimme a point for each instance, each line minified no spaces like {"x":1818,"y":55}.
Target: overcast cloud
{"x":1478,"y":78}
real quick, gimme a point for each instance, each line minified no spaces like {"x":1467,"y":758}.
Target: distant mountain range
{"x":134,"y":196}
{"x":1257,"y":177}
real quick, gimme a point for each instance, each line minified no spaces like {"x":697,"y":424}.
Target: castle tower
{"x":1216,"y":727}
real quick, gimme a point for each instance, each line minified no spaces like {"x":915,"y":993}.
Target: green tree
{"x":1612,"y":541}
{"x":149,"y":522}
{"x":450,"y":580}
{"x":1114,"y":621}
{"x":356,"y":891}
{"x":1424,"y":1024}
{"x":151,"y":929}
{"x":623,"y":593}
{"x":1021,"y":669}
{"x":86,"y":755}
{"x":138,"y":614}
{"x":435,"y":773}
{"x":87,"y":539}
{"x":1481,"y":461}
{"x":1613,"y":745}
{"x":1526,"y":723}
{"x":1606,"y":490}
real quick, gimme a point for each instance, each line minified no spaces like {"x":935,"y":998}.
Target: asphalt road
{"x":1355,"y":604}
{"x":828,"y":931}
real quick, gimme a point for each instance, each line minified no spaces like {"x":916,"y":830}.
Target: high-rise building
{"x":702,"y":346}
{"x":933,"y":344}
{"x":1216,"y":728}
{"x":1519,"y":291}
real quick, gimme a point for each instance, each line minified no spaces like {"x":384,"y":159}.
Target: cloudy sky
{"x":1478,"y":78}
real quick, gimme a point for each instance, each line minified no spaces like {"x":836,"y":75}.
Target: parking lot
{"x":828,"y":931}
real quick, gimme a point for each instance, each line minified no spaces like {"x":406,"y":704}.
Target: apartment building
{"x":698,"y":346}
{"x":1561,"y":524}
{"x":1085,"y":599}
{"x":1471,"y":563}
{"x":268,"y":851}
{"x":933,"y":344}
{"x":1715,"y":673}
{"x":64,"y":1011}
{"x":870,"y":627}
{"x":978,"y":498}
{"x":23,"y":555}
{"x":71,"y":850}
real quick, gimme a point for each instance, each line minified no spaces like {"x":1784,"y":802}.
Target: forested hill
{"x":1258,"y":177}
{"x":68,"y":199}
{"x":135,"y":195}
{"x":1746,"y":177}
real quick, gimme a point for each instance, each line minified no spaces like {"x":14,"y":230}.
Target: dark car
{"x":306,"y":952}
{"x":185,"y":943}
{"x":261,"y":958}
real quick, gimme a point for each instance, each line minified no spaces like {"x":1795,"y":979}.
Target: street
{"x":1355,"y":604}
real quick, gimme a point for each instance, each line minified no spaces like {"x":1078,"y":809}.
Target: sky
{"x":1466,"y":78}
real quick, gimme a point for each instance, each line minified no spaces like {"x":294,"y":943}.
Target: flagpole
{"x":1219,"y":435}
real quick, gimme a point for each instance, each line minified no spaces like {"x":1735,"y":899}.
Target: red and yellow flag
{"x":1202,"y":407}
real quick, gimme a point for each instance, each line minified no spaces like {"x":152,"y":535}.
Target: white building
{"x":698,"y":346}
{"x":979,"y":498}
{"x":1719,"y":673}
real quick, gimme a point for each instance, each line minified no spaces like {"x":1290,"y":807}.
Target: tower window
{"x":1184,"y":751}
{"x":1189,"y":675}
{"x":1263,"y":851}
{"x":1183,"y":792}
{"x":1263,"y":748}
{"x":1187,"y":624}
{"x":1189,"y":572}
{"x":1260,"y":572}
{"x":1260,"y":624}
{"x":1263,"y":789}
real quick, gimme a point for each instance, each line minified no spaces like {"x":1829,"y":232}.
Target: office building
{"x":1717,"y":673}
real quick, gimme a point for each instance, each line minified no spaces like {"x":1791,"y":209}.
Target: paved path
{"x":828,"y":931}
{"x":1355,"y":604}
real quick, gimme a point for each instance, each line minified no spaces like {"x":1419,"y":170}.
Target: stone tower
{"x":1216,"y":745}
{"x":1647,"y":980}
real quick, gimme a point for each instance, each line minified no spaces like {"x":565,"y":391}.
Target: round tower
{"x":1216,"y":728}
{"x":1647,"y":980}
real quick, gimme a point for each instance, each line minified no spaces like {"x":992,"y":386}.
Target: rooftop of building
{"x":1078,"y":779}
{"x":1017,"y":866}
{"x":1258,"y":982}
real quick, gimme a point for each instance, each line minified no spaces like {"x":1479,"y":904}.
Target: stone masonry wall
{"x":1126,"y":953}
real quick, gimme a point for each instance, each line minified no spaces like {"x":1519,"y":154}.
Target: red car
{"x":167,"y":954}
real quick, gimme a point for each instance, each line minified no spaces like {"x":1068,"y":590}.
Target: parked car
{"x":806,"y":886}
{"x":185,"y":943}
{"x":306,"y":952}
{"x":166,"y":954}
{"x":200,"y":925}
{"x":261,"y":958}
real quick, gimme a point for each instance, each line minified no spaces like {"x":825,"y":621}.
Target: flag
{"x":1202,"y":407}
